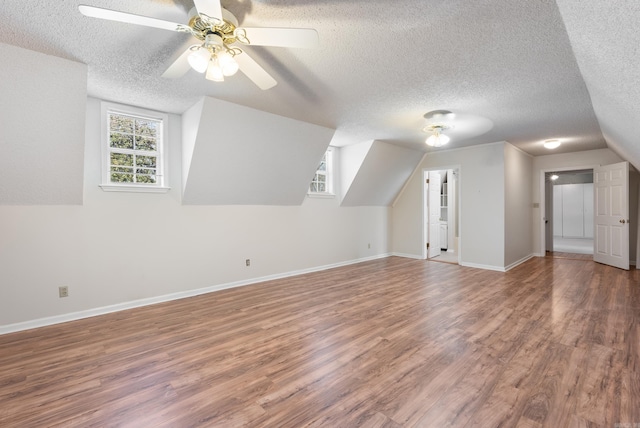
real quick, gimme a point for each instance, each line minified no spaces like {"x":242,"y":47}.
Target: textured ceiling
{"x":606,"y":42}
{"x":506,"y":68}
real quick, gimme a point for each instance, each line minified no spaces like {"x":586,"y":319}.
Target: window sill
{"x":134,"y":189}
{"x":321,"y":195}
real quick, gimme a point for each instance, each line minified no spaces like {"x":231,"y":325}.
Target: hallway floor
{"x":446,"y":257}
{"x":573,"y":245}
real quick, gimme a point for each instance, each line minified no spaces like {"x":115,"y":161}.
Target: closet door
{"x":572,"y":210}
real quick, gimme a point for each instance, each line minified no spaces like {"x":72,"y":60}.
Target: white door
{"x":434,"y":214}
{"x":611,"y":197}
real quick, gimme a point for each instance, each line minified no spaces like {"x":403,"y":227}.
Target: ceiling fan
{"x":217,"y":53}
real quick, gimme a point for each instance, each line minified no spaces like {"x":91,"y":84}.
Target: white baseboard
{"x":73,"y":316}
{"x":498,"y":268}
{"x":408,"y":256}
{"x":481,"y":266}
{"x":519,"y":262}
{"x":474,"y":265}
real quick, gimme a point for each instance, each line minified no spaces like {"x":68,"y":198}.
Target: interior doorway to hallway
{"x":441,"y":215}
{"x":569,"y":212}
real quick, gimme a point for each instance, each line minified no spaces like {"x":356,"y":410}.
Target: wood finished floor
{"x":388,"y":343}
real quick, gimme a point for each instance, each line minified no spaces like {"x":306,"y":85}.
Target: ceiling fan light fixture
{"x":199,"y":59}
{"x":214,"y":71}
{"x":227,"y":63}
{"x":437,"y":140}
{"x":551,"y":144}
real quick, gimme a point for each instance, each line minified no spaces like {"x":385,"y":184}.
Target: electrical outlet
{"x":63,"y":291}
{"x":248,"y":262}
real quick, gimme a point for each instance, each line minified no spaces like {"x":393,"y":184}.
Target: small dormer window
{"x":133,"y":145}
{"x":322,"y":183}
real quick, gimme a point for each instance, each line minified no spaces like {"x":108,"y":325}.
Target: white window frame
{"x":161,"y":166}
{"x":328,"y":173}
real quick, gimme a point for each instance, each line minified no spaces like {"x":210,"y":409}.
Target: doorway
{"x":441,"y":215}
{"x":615,"y":204}
{"x":569,"y":212}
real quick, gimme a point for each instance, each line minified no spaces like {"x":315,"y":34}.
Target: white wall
{"x":42,"y":105}
{"x":119,"y":247}
{"x":244,"y":156}
{"x":565,"y":161}
{"x":482,"y":196}
{"x":518,"y":207}
{"x":351,"y":159}
{"x":379,"y":176}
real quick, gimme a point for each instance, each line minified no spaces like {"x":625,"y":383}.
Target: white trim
{"x":408,"y":256}
{"x":458,"y":196}
{"x":329,"y":177}
{"x":162,"y":167}
{"x":130,"y":188}
{"x":73,"y":316}
{"x":519,"y":262}
{"x":485,"y":267}
{"x":321,"y":195}
{"x":543,"y":206}
{"x":498,"y":268}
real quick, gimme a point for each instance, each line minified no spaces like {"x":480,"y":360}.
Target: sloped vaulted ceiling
{"x":42,"y":128}
{"x":380,"y":66}
{"x":243,"y":156}
{"x":606,"y":42}
{"x":533,"y":68}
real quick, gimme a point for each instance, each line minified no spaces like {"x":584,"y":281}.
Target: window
{"x":133,"y":141}
{"x":322,"y":183}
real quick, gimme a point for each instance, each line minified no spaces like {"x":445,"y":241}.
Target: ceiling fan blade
{"x":255,"y":72}
{"x":210,"y":8}
{"x":282,"y":37}
{"x":130,"y":18}
{"x":179,"y":67}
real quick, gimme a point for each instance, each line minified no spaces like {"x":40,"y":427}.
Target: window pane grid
{"x":320,"y":182}
{"x":133,"y":168}
{"x":133,"y":144}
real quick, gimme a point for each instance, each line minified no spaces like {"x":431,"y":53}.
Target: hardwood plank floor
{"x":394,"y":342}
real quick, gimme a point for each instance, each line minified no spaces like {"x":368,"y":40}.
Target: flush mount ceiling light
{"x":437,"y":139}
{"x":551,"y":144}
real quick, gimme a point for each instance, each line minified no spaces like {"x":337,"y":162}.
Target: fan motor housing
{"x":202,"y":26}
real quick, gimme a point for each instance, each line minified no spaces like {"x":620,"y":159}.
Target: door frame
{"x":543,"y":207}
{"x":458,"y":207}
{"x":432,"y":194}
{"x":609,"y":219}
